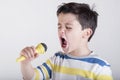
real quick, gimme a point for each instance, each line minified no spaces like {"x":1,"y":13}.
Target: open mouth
{"x":63,"y":43}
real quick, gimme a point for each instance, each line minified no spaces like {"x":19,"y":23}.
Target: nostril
{"x":63,"y":32}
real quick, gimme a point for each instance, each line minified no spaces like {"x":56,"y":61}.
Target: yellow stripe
{"x":37,"y":77}
{"x":84,"y":73}
{"x":49,"y":64}
{"x":74,"y":71}
{"x":104,"y":77}
{"x":46,"y":72}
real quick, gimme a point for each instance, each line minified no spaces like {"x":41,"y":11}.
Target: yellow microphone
{"x":40,"y":49}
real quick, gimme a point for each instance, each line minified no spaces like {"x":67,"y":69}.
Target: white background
{"x":29,"y":22}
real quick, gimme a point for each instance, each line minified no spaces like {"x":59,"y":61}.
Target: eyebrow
{"x":66,"y":24}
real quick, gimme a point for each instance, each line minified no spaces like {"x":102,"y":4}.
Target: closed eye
{"x":59,"y":27}
{"x":68,"y":28}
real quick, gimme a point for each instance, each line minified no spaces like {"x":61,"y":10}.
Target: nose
{"x":62,"y":31}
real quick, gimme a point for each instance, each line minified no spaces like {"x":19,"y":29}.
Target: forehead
{"x":67,"y":18}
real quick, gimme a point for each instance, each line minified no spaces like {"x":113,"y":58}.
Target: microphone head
{"x":45,"y":46}
{"x":41,"y":48}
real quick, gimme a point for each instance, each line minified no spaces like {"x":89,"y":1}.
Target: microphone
{"x":41,"y":48}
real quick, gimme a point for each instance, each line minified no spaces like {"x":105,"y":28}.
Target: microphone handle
{"x":39,"y":50}
{"x":21,"y":58}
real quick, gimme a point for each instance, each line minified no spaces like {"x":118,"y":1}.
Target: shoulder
{"x":95,"y":59}
{"x":103,"y":70}
{"x":101,"y":66}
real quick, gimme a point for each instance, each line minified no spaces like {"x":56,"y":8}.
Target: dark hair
{"x":86,"y":16}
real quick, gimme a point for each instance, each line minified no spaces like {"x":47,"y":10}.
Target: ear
{"x":87,"y":33}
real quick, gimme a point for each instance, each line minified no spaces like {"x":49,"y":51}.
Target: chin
{"x":66,"y":51}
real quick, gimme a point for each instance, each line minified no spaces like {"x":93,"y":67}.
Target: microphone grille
{"x":45,"y":46}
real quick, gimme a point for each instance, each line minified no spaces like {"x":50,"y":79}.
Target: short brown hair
{"x":86,"y":16}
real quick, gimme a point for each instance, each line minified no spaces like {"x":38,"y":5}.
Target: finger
{"x":24,"y":53}
{"x":36,"y":55}
{"x":29,"y":52}
{"x":32,"y":51}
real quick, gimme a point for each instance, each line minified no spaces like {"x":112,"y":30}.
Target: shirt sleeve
{"x":44,"y":72}
{"x":105,"y":73}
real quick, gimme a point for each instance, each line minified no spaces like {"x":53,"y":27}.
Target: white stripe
{"x":59,"y":76}
{"x":95,"y":68}
{"x":105,"y":71}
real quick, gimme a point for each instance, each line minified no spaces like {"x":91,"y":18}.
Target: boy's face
{"x":70,"y":32}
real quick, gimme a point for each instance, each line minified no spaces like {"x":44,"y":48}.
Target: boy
{"x":76,"y":25}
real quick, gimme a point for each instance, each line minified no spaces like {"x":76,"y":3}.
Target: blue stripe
{"x":41,"y":71}
{"x":48,"y":69}
{"x":89,"y":60}
{"x":95,"y":61}
{"x":60,"y":55}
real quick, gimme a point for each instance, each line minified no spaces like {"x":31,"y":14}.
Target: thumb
{"x":36,"y":55}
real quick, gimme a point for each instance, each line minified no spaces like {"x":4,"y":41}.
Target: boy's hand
{"x":29,"y":53}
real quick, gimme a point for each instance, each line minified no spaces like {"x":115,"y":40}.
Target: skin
{"x":77,"y":39}
{"x":68,"y":28}
{"x":26,"y":67}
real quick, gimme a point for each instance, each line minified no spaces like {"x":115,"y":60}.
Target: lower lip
{"x":64,"y":46}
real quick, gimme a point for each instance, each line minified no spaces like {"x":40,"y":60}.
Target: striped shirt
{"x":67,"y":67}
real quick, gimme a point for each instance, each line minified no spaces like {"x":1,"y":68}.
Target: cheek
{"x":74,"y":37}
{"x":58,"y":33}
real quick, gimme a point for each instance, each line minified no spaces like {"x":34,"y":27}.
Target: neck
{"x":82,"y":51}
